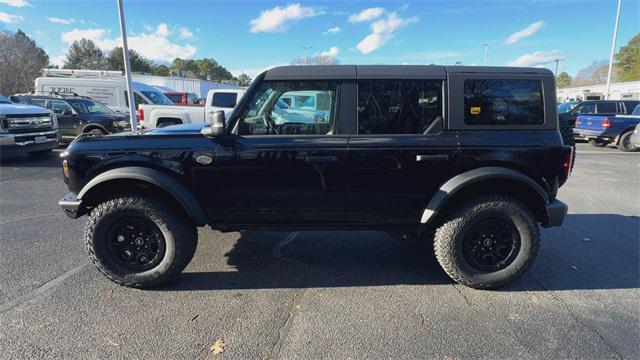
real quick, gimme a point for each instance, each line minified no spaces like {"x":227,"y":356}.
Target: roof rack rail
{"x":74,"y":73}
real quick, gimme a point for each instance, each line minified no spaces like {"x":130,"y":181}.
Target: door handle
{"x":432,"y":157}
{"x":321,"y":159}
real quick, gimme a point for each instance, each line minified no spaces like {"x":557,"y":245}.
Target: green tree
{"x":204,"y":69}
{"x":244,"y":79}
{"x":21,"y":62}
{"x":563,"y":80}
{"x":84,"y":54}
{"x":628,"y":60}
{"x":161,"y":70}
{"x":115,"y":61}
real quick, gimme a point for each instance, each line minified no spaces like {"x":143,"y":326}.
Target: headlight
{"x":121,"y":123}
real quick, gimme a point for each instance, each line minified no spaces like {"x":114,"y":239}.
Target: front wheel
{"x":139,"y":241}
{"x":624,"y":144}
{"x":487,"y":242}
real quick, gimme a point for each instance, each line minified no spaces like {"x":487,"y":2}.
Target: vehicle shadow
{"x":607,"y":259}
{"x":24,"y":160}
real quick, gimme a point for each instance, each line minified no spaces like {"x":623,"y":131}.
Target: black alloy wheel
{"x":136,"y":243}
{"x":491,"y":244}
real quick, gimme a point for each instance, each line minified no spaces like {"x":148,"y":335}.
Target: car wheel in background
{"x":624,"y":143}
{"x":598,"y":143}
{"x":95,"y":132}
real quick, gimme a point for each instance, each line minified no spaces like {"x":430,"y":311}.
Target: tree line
{"x":626,"y":67}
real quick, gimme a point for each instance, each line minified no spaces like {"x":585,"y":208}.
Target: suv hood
{"x":21,"y":109}
{"x":178,"y":129}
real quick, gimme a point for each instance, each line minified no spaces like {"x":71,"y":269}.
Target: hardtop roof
{"x":354,"y":72}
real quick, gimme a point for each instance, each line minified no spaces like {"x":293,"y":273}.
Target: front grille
{"x":21,"y":124}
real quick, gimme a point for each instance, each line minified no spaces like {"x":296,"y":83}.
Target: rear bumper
{"x":556,"y":212}
{"x":72,"y":206}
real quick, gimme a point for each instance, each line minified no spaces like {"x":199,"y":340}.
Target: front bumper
{"x":556,"y":212}
{"x":22,"y":143}
{"x":72,"y":206}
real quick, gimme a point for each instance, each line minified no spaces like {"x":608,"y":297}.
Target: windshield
{"x":86,"y":106}
{"x":566,"y":107}
{"x":157,"y":98}
{"x":4,"y":100}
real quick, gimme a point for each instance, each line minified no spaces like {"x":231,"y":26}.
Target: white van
{"x":108,"y":87}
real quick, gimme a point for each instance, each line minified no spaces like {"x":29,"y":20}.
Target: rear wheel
{"x":597,"y":143}
{"x":487,"y":242}
{"x":95,"y":132}
{"x":624,"y":144}
{"x":138,"y":241}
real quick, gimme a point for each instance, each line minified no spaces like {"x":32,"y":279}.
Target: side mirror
{"x":217,"y":124}
{"x":67,"y":113}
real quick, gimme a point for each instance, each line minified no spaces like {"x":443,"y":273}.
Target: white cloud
{"x":56,"y":20}
{"x":517,"y":36}
{"x":332,"y":31}
{"x":382,"y":31}
{"x":276,"y":19}
{"x":9,"y":18}
{"x":253,"y":72}
{"x":332,"y":52}
{"x":57,"y":60}
{"x":15,"y":3}
{"x":366,"y":15}
{"x":185,"y":33}
{"x":537,"y":58}
{"x":152,"y":45}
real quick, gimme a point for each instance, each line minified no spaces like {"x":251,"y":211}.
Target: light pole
{"x":557,"y":61}
{"x":305,"y":48}
{"x":613,"y":49}
{"x":127,"y":70}
{"x":486,"y":52}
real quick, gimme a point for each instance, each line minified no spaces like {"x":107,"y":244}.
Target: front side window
{"x":86,"y":106}
{"x":503,"y":102}
{"x":224,"y":99}
{"x":588,"y":108}
{"x":59,"y":107}
{"x":275,"y":110}
{"x":398,"y":107}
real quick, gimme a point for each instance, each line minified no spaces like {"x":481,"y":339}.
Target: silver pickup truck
{"x":27,"y":129}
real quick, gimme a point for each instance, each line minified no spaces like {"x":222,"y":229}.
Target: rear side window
{"x":503,"y":102}
{"x":224,"y":99}
{"x":606,"y":108}
{"x":398,"y":107}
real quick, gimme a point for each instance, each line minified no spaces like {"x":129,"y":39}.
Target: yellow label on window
{"x":475,"y":110}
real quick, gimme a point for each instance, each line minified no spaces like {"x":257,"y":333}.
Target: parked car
{"x":566,"y":107}
{"x":153,"y":116}
{"x":182,"y":98}
{"x":109,"y":88}
{"x":472,"y":154}
{"x":635,"y":137}
{"x":602,"y":130}
{"x":79,"y":114}
{"x":27,"y":129}
{"x":598,"y":107}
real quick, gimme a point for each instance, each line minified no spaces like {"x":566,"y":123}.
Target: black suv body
{"x":472,"y":156}
{"x":598,"y":107}
{"x":78,"y":114}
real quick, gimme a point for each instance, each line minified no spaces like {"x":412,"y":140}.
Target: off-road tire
{"x":568,"y":138}
{"x":624,"y":143}
{"x":449,"y":238}
{"x":597,"y":143}
{"x":40,"y":154}
{"x":180,"y":237}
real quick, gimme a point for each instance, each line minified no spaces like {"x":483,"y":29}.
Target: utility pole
{"x":486,"y":52}
{"x":557,"y":61}
{"x":613,"y":49}
{"x":127,"y":70}
{"x":305,"y":48}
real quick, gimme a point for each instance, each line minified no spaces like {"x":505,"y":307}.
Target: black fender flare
{"x":94,"y":125}
{"x":459,"y":182}
{"x":617,"y":138}
{"x":155,"y":177}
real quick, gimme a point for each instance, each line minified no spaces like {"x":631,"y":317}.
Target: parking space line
{"x":41,"y":289}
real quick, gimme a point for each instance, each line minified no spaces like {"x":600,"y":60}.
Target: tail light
{"x":567,"y":161}
{"x":578,"y":121}
{"x":140,"y":115}
{"x":606,"y":123}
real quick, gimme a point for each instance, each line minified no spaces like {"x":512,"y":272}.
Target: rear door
{"x":279,"y":166}
{"x":401,"y":151}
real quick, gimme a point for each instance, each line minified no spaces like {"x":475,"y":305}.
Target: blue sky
{"x":248,"y":36}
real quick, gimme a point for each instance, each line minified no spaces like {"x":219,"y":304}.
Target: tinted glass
{"x":157,"y":97}
{"x":4,"y":100}
{"x":588,"y":108}
{"x":398,"y":107}
{"x":269,"y":112}
{"x":503,"y":102}
{"x":223,"y":99}
{"x":59,"y":107}
{"x":86,"y":106}
{"x":606,"y":108}
{"x":175,"y":98}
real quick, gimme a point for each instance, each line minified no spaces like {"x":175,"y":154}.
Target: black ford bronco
{"x":469,"y":156}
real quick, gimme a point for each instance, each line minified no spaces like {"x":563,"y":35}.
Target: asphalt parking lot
{"x":324,"y":294}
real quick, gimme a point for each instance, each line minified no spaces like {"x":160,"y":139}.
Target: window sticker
{"x":475,"y":110}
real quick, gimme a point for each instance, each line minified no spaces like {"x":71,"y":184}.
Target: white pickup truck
{"x":154,"y":116}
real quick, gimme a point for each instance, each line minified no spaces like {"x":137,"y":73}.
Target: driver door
{"x":66,"y":117}
{"x":282,"y":164}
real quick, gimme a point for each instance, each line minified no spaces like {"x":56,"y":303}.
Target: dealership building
{"x":619,"y":91}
